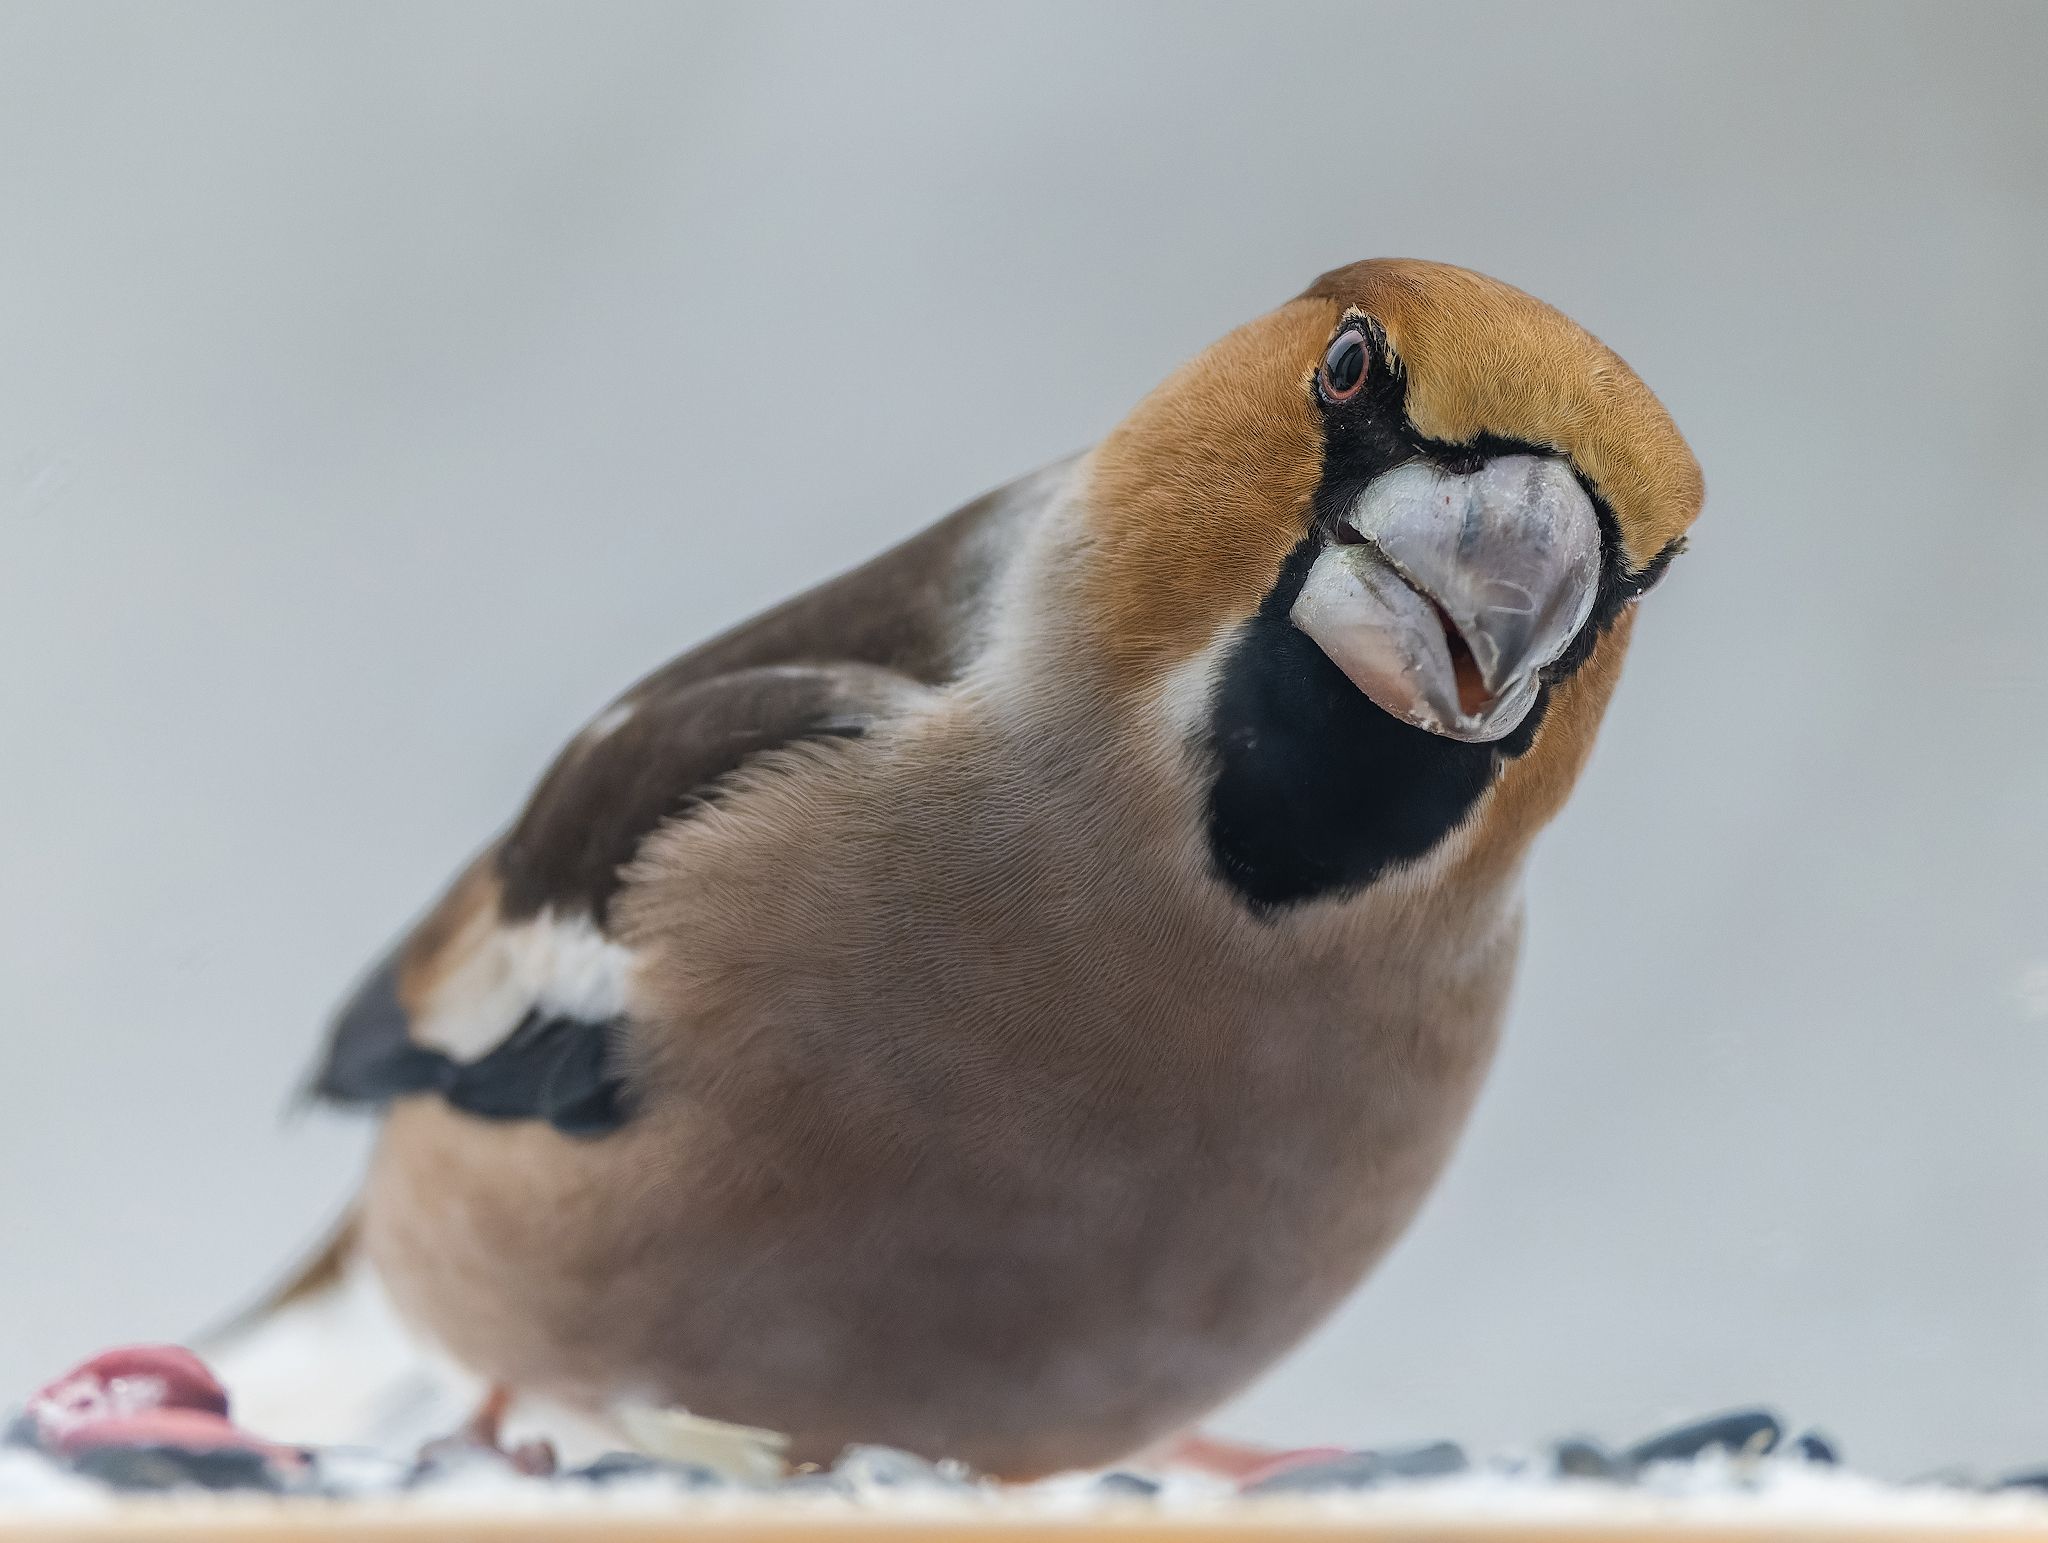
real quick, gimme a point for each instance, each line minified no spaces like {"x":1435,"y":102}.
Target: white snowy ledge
{"x":1722,"y":1502}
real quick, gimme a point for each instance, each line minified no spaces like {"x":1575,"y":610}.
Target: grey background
{"x":383,"y":386}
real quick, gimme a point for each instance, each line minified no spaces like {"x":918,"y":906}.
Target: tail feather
{"x":320,"y":1271}
{"x":323,"y":1359}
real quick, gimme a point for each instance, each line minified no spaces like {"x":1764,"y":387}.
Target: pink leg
{"x":484,"y":1432}
{"x":1242,"y":1462}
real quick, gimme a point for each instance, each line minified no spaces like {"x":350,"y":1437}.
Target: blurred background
{"x":383,"y":386}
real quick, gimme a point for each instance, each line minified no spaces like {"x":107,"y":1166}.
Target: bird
{"x":997,"y":1002}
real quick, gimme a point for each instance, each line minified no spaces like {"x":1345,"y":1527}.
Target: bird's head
{"x":1400,"y":514}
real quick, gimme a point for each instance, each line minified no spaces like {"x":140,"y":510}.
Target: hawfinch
{"x":998,"y":1001}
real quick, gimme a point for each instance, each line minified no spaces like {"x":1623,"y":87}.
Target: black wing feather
{"x":602,"y":798}
{"x":559,"y":1069}
{"x":371,"y":1058}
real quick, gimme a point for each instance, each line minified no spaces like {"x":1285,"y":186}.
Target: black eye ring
{"x":1343,"y":373}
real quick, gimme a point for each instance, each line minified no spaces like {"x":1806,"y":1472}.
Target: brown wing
{"x":508,"y":999}
{"x":650,"y":756}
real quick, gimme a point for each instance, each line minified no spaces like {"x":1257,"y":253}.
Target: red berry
{"x":116,"y":1384}
{"x":186,"y":1430}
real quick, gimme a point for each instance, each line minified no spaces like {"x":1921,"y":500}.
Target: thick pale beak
{"x":1457,"y":590}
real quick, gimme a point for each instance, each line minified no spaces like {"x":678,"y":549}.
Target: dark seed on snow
{"x":1816,"y":1448}
{"x":1740,"y":1430}
{"x":637,"y":1465}
{"x":1582,"y":1459}
{"x":1363,"y":1470}
{"x":1354,"y":1470}
{"x":2030,"y":1478}
{"x":1427,"y":1462}
{"x":151,"y":1468}
{"x":614,"y":1465}
{"x":1121,"y":1483}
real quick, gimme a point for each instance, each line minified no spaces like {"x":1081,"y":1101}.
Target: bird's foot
{"x":483,"y":1435}
{"x":1241,"y":1462}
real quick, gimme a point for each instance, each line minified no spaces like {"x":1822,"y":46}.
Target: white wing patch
{"x":560,"y":964}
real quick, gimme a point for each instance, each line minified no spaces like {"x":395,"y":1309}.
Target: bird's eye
{"x":1344,"y":366}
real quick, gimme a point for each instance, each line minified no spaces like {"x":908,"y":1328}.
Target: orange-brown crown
{"x":1200,"y":494}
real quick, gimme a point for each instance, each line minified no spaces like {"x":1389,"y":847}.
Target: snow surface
{"x":339,"y":1372}
{"x":1770,"y":1491}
